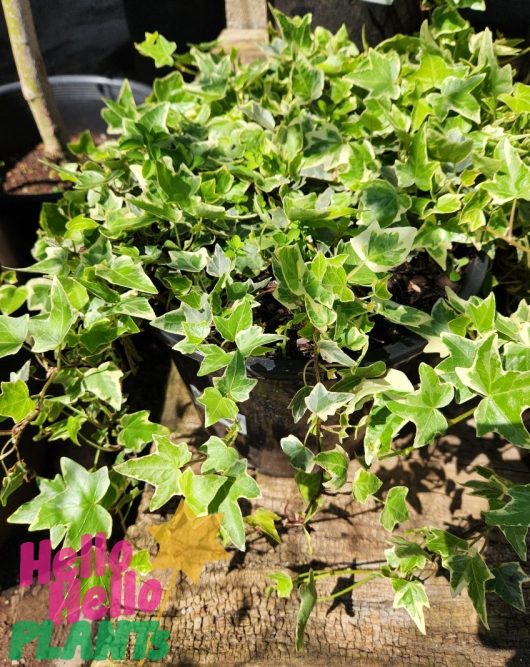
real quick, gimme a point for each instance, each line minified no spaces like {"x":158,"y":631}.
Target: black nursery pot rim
{"x":96,"y":87}
{"x":393,"y":354}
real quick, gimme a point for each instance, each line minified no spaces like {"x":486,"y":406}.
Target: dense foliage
{"x":309,"y":178}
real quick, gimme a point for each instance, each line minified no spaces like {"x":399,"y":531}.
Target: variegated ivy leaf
{"x":382,"y":249}
{"x":506,"y":394}
{"x":161,"y":469}
{"x":324,"y":403}
{"x":13,"y":332}
{"x":422,"y":407}
{"x":512,"y":181}
{"x":50,"y":328}
{"x":411,"y":596}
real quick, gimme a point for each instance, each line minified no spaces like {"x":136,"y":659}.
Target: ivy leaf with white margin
{"x":219,"y":494}
{"x":471,"y":572}
{"x":137,"y":431}
{"x":308,"y":599}
{"x":50,"y":329}
{"x":78,"y":507}
{"x":105,"y":383}
{"x":421,"y":407}
{"x":382,"y":249}
{"x":335,"y":462}
{"x":324,"y":403}
{"x":512,"y":181}
{"x":516,"y":512}
{"x":158,"y":48}
{"x":395,"y":510}
{"x":508,"y":584}
{"x":15,"y":401}
{"x":161,"y":469}
{"x":13,"y":332}
{"x":217,"y":406}
{"x":242,"y":485}
{"x":411,"y":596}
{"x":251,"y":341}
{"x":234,"y":383}
{"x":300,"y":456}
{"x":220,"y":457}
{"x":365,"y":484}
{"x":127,"y":272}
{"x":28,"y":512}
{"x":506,"y":394}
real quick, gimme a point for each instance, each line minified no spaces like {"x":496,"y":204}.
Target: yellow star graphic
{"x":188,"y":542}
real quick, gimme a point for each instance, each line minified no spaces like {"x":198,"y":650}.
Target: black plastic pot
{"x":80,"y":101}
{"x":266,"y":418}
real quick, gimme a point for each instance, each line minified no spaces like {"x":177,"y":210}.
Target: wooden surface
{"x":227,"y":619}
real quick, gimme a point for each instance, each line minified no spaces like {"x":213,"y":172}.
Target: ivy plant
{"x":309,"y":180}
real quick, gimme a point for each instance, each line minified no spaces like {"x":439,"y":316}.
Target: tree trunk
{"x":32,"y":75}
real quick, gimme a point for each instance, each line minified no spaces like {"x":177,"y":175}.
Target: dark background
{"x":97,"y":36}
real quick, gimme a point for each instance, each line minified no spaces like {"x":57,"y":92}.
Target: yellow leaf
{"x":188,"y":542}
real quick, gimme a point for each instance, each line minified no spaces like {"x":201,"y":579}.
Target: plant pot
{"x":265,"y":418}
{"x":180,"y":21}
{"x":80,"y":101}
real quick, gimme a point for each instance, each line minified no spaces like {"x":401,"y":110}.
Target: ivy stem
{"x":461,"y":417}
{"x":333,"y":572}
{"x":512,"y":219}
{"x":348,"y":589}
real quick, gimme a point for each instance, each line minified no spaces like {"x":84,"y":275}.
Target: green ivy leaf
{"x":105,"y":383}
{"x":512,"y":181}
{"x":411,"y":596}
{"x":11,"y":298}
{"x":15,"y":401}
{"x":301,"y":457}
{"x":515,"y":512}
{"x":324,"y":403}
{"x":158,"y":48}
{"x":50,"y":329}
{"x":214,"y":359}
{"x":264,"y":519}
{"x":395,"y":510}
{"x":307,"y":82}
{"x":12,"y":481}
{"x":365,"y":484}
{"x":220,"y":457}
{"x":283,"y":583}
{"x":335,"y":462}
{"x":251,"y":341}
{"x":126,"y":272}
{"x":506,"y":394}
{"x":421,"y":408}
{"x":239,"y":320}
{"x":137,"y":431}
{"x":381,"y":249}
{"x":217,"y":406}
{"x":78,"y":507}
{"x":379,"y":75}
{"x":308,"y":599}
{"x":161,"y":469}
{"x":234,"y":383}
{"x":471,"y":572}
{"x":508,"y":584}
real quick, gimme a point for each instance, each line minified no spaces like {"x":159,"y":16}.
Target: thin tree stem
{"x":32,"y":75}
